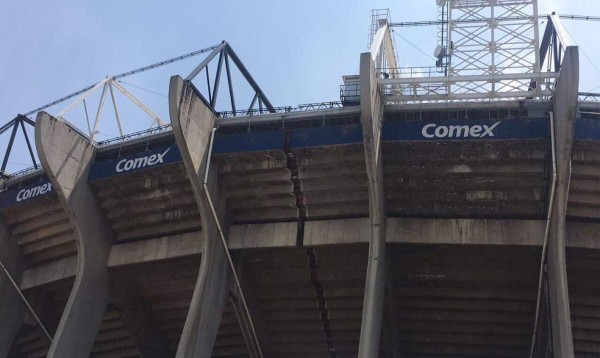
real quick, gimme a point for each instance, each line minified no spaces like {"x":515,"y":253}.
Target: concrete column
{"x":565,"y":110}
{"x":371,"y":116}
{"x":66,"y":156}
{"x":193,"y":122}
{"x":12,"y":310}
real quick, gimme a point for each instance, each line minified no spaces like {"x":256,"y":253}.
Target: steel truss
{"x":225,"y":55}
{"x":554,"y":43}
{"x":18,"y":122}
{"x":226,"y":59}
{"x":493,"y":50}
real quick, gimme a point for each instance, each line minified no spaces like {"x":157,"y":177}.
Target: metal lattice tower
{"x":492,"y":37}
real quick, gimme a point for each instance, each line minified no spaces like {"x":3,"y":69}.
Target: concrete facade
{"x":348,"y":239}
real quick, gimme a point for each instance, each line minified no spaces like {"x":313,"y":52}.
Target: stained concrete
{"x":193,"y":122}
{"x":66,"y":156}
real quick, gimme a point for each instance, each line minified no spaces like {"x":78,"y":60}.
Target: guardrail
{"x":300,"y":108}
{"x":135,"y":135}
{"x":24,"y":172}
{"x":588,"y":97}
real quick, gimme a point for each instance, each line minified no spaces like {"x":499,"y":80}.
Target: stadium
{"x":447,"y":211}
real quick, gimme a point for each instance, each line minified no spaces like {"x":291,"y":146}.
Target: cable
{"x":143,"y":89}
{"x":585,"y":55}
{"x":415,"y":46}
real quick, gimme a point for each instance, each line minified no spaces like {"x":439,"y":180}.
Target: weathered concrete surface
{"x":263,"y":235}
{"x":253,"y":304}
{"x":565,"y":110}
{"x":138,"y":319}
{"x":51,"y":272}
{"x":193,"y":122}
{"x":162,"y":248}
{"x":371,"y":117}
{"x":466,"y":231}
{"x":333,"y":232}
{"x":583,"y":235}
{"x":66,"y":156}
{"x":11,"y":307}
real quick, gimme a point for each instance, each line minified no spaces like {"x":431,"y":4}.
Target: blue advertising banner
{"x":327,"y":135}
{"x":587,"y":129}
{"x":248,"y":142}
{"x":466,"y":129}
{"x":134,"y":163}
{"x":30,"y":192}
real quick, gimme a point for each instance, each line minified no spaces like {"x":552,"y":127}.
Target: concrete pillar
{"x":565,"y":110}
{"x":371,"y":116}
{"x":12,"y":310}
{"x":193,"y":122}
{"x":66,"y":156}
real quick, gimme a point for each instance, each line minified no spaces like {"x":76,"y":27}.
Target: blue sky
{"x":296,"y":50}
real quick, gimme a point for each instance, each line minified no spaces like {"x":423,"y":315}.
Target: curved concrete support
{"x":192,"y":122}
{"x":66,"y":156}
{"x":12,"y":309}
{"x":371,"y":117}
{"x":565,"y":110}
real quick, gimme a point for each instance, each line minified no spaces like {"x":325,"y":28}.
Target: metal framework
{"x":493,"y":50}
{"x":381,"y":43}
{"x":225,"y":56}
{"x":554,"y":43}
{"x":108,"y":85}
{"x":18,"y":122}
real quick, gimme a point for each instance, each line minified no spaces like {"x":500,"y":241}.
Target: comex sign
{"x":126,"y":165}
{"x":132,"y":163}
{"x":31,"y":193}
{"x":465,"y":129}
{"x":433,"y":130}
{"x":23,"y":194}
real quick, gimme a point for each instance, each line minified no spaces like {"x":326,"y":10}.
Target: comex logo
{"x":25,"y":194}
{"x":459,"y":131}
{"x":126,"y":165}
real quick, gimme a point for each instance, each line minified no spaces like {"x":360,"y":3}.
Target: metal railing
{"x":140,"y":134}
{"x":588,"y":97}
{"x":287,"y":109}
{"x":24,"y":172}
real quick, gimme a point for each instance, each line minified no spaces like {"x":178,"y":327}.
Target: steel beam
{"x":66,"y":156}
{"x":10,"y":144}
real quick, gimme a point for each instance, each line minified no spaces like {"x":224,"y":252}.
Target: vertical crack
{"x":313,"y":260}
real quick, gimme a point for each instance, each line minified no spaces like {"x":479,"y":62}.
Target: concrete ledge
{"x":583,"y":235}
{"x":331,"y":232}
{"x":52,"y":272}
{"x":155,"y":249}
{"x":465,"y":231}
{"x":263,"y":235}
